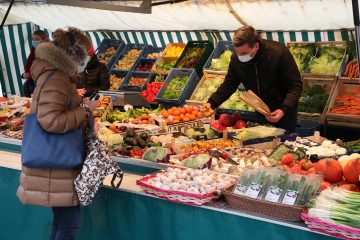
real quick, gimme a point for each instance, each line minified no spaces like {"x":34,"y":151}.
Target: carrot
{"x":347,"y":70}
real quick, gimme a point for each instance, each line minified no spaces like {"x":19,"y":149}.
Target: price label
{"x":240,"y":189}
{"x":290,"y":197}
{"x":254,"y":190}
{"x":273,"y":194}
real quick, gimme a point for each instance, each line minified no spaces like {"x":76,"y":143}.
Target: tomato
{"x":287,"y":159}
{"x":350,"y":187}
{"x":324,"y":185}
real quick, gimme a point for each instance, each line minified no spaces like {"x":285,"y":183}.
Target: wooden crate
{"x":317,"y":118}
{"x":329,"y":77}
{"x":343,"y":86}
{"x":206,"y":76}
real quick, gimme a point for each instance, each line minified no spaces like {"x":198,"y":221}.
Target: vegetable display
{"x":115,"y":82}
{"x":347,"y":104}
{"x":151,"y":91}
{"x":352,"y":70}
{"x":326,"y":149}
{"x":166,"y":66}
{"x":207,"y":88}
{"x":328,"y":61}
{"x":128,"y":60}
{"x":302,"y":54}
{"x":203,"y":146}
{"x":138,"y":82}
{"x":192,"y":58}
{"x":221,"y":63}
{"x":186,"y":113}
{"x":313,"y":100}
{"x":175,"y":87}
{"x":235,"y":103}
{"x":339,"y":206}
{"x":259,"y":132}
{"x":174,"y":51}
{"x":107,"y":55}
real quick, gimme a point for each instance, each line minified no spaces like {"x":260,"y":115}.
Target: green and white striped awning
{"x":15,"y":43}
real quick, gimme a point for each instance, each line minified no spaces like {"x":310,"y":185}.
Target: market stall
{"x":193,"y":172}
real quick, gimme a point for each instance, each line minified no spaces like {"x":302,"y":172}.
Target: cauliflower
{"x":114,"y":139}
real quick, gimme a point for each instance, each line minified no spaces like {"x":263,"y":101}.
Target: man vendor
{"x":269,"y":70}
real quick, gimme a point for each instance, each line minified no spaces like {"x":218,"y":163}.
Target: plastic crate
{"x":152,"y":49}
{"x":126,"y":87}
{"x":220,"y":48}
{"x":245,"y":115}
{"x":127,"y":48}
{"x":122,"y":74}
{"x":107,"y":43}
{"x":205,"y":56}
{"x":144,"y":61}
{"x":187,"y":91}
{"x":306,"y":130}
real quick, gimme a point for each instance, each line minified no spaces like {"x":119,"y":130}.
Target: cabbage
{"x":197,"y":161}
{"x":211,"y":90}
{"x":157,"y":154}
{"x":217,"y":81}
{"x":222,"y":63}
{"x":259,"y":132}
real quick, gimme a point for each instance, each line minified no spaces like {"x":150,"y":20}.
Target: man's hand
{"x":275,"y":116}
{"x":81,"y":92}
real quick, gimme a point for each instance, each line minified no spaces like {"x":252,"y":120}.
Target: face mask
{"x":245,"y":58}
{"x":35,"y":43}
{"x":81,"y":68}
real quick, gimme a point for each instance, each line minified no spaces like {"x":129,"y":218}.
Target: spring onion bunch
{"x":338,"y":206}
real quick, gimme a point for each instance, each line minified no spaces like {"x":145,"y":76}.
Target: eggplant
{"x":131,"y":141}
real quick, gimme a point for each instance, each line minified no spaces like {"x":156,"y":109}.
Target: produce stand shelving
{"x":107,"y":43}
{"x":127,"y":48}
{"x":125,"y":84}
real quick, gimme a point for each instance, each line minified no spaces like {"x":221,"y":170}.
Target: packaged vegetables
{"x":278,"y":186}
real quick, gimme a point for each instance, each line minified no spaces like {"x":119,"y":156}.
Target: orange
{"x":186,"y":119}
{"x":176,"y":121}
{"x":182,"y":110}
{"x":188,"y":109}
{"x":177,"y":113}
{"x":192,"y":117}
{"x":144,"y":122}
{"x":165,"y":115}
{"x":199,"y":115}
{"x":167,"y":120}
{"x":194,"y":112}
{"x":133,"y":121}
{"x":182,"y":116}
{"x":187,"y":115}
{"x":177,"y":118}
{"x":171,"y":112}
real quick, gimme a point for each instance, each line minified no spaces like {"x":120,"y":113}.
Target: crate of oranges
{"x":177,"y":118}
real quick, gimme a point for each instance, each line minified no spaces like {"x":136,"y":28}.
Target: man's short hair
{"x":41,"y":34}
{"x":245,"y":35}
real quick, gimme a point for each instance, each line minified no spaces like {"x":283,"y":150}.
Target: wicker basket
{"x":333,"y":229}
{"x":176,"y":196}
{"x":276,"y":210}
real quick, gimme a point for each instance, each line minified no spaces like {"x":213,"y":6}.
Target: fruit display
{"x":115,"y":82}
{"x":302,"y":54}
{"x":206,"y":88}
{"x":128,"y":60}
{"x":143,"y":119}
{"x":192,"y":58}
{"x":151,"y":91}
{"x":144,"y":67}
{"x":327,"y":61}
{"x":345,"y":158}
{"x":221,"y":63}
{"x":103,"y":104}
{"x":119,"y":116}
{"x":175,"y":87}
{"x":166,"y":66}
{"x":192,"y":181}
{"x":107,"y":55}
{"x":137,"y":81}
{"x":304,"y":167}
{"x":186,"y":113}
{"x":153,"y":55}
{"x":235,"y":103}
{"x":313,"y":99}
{"x":352,"y":70}
{"x":347,"y":104}
{"x":225,"y":120}
{"x":174,"y":51}
{"x":203,"y":146}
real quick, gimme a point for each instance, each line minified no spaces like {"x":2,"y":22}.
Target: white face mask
{"x":35,"y":43}
{"x":245,"y":58}
{"x":81,"y":68}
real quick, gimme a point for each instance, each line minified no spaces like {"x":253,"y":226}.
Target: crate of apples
{"x":186,"y":113}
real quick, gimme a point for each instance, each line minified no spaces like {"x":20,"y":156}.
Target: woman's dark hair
{"x":41,"y":34}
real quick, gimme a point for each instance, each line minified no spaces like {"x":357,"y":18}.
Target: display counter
{"x":129,"y":213}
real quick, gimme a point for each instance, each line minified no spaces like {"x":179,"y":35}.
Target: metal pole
{"x":6,"y":14}
{"x":355,"y":5}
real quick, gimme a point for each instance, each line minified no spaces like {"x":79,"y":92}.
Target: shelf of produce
{"x":328,"y":87}
{"x":116,"y":45}
{"x":349,"y":89}
{"x":129,"y":63}
{"x":136,"y":205}
{"x":219,"y":50}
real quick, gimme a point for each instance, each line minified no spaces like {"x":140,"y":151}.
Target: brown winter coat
{"x":53,"y":187}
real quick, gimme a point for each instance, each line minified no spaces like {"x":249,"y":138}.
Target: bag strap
{"x":119,"y":174}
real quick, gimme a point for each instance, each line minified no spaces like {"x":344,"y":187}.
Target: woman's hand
{"x":92,"y":105}
{"x":81,"y":92}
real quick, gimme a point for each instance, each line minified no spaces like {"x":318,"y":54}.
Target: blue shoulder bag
{"x":41,"y":149}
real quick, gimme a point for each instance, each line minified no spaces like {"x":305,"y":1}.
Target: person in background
{"x":95,"y":77}
{"x":269,"y":70}
{"x":59,"y":110}
{"x":38,"y":37}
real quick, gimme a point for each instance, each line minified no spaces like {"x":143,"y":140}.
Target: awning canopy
{"x":266,"y":15}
